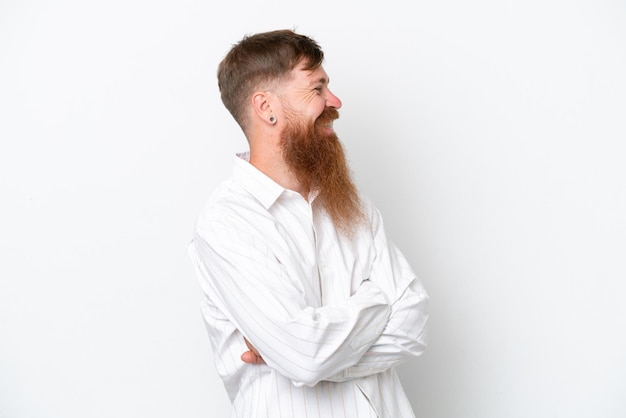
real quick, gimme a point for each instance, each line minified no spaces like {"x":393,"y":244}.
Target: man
{"x":309,"y":307}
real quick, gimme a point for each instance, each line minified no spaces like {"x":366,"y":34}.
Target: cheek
{"x":309,"y":111}
{"x":319,"y":109}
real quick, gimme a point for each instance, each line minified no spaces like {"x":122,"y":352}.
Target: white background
{"x":489,"y":133}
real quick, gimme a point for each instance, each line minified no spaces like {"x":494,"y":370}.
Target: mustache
{"x":327,"y":116}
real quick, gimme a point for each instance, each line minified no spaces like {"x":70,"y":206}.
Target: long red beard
{"x":318,"y":161}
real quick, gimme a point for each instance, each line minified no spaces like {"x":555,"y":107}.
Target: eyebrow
{"x":321,"y":80}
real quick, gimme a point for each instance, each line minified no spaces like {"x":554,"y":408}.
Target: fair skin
{"x":307,"y":94}
{"x":304,"y":92}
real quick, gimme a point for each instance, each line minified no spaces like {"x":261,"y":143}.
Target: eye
{"x":318,"y":89}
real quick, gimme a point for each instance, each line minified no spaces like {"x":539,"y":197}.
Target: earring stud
{"x":272,"y":119}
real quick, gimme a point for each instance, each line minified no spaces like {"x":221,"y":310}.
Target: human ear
{"x":261,"y":103}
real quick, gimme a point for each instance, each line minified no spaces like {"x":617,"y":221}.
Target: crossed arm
{"x":379,"y":326}
{"x":404,"y":336}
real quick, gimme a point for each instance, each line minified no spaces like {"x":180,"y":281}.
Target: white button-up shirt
{"x":332,"y":316}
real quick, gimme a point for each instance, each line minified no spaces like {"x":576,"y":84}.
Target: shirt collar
{"x":263,"y":188}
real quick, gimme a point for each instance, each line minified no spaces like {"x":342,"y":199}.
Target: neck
{"x":270,"y":162}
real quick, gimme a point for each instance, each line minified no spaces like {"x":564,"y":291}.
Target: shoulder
{"x":231,"y":208}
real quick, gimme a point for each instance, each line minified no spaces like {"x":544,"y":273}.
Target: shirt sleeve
{"x":405,"y":334}
{"x":239,"y":273}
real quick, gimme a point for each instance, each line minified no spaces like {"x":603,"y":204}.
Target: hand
{"x":252,"y":356}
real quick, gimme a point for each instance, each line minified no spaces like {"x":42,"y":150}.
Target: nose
{"x":333,"y":101}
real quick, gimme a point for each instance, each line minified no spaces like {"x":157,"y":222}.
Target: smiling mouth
{"x":327,"y":118}
{"x":325,"y":125}
{"x":329,"y":127}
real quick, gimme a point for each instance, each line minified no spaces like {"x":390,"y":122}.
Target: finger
{"x":251,"y":347}
{"x":251,"y":358}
